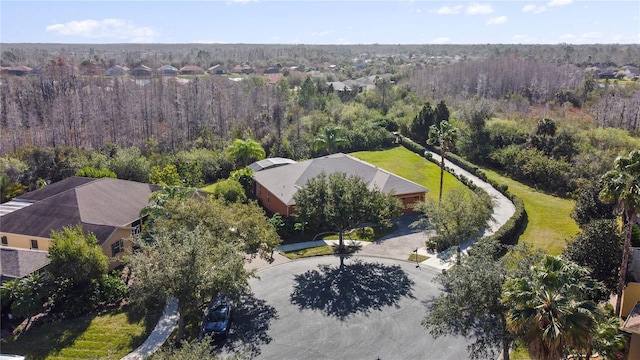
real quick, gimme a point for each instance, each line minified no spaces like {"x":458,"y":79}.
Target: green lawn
{"x":411,"y":166}
{"x":550,"y":223}
{"x":110,"y":335}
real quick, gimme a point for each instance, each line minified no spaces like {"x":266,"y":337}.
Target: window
{"x":117,"y":247}
{"x":259,"y":189}
{"x":5,"y":241}
{"x":137,"y":227}
{"x":268,"y":196}
{"x":34,"y":244}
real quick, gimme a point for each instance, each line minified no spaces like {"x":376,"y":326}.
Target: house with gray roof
{"x":276,"y":186}
{"x":108,"y":208}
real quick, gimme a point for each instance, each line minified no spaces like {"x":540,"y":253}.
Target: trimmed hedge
{"x":508,"y":233}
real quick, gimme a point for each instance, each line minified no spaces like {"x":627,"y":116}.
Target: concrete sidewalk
{"x":159,"y":335}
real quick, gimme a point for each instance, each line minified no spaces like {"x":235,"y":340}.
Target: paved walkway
{"x":398,"y":245}
{"x":159,"y":335}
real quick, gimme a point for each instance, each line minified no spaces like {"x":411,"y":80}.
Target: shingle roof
{"x":99,"y":205}
{"x":17,"y":263}
{"x":284,"y":181}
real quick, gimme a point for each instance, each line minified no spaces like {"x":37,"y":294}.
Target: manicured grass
{"x":320,"y":251}
{"x":550,"y":223}
{"x":411,"y":166}
{"x":368,"y":234}
{"x":309,"y":252}
{"x":420,"y":258}
{"x":110,"y":335}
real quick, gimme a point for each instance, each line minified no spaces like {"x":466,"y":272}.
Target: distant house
{"x":20,"y":70}
{"x":630,"y":72}
{"x":191,"y":70}
{"x":246,"y":69}
{"x":275,"y":186}
{"x":117,"y":70}
{"x":217,"y":69}
{"x":141,"y":71}
{"x":271,"y":70}
{"x":339,"y":86}
{"x":108,"y":208}
{"x":167,"y":70}
{"x":237,"y":69}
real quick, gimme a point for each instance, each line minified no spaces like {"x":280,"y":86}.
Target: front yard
{"x":108,"y":335}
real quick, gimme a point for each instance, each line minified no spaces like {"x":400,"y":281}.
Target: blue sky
{"x":321,"y":22}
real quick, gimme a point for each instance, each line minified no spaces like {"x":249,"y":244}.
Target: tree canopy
{"x":243,"y":151}
{"x":198,"y":250}
{"x":621,"y":186}
{"x":462,"y":216}
{"x":470,"y":304}
{"x":341,"y":203}
{"x":550,"y":309}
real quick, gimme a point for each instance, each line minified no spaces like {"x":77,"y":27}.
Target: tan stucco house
{"x":108,"y":208}
{"x":276,"y":186}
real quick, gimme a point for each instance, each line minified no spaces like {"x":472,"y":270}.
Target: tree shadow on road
{"x":251,"y":320}
{"x":345,"y":290}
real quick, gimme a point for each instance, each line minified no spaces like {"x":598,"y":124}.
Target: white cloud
{"x":114,"y":29}
{"x":446,"y":10}
{"x":497,"y":20}
{"x":559,"y":2}
{"x":478,"y":9}
{"x":533,"y":9}
{"x":440,"y":40}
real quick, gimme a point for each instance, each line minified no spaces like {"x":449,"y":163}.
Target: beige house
{"x":277,"y":180}
{"x":108,"y":208}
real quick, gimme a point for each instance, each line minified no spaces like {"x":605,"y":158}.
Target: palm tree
{"x":445,"y":136}
{"x":243,"y":151}
{"x":26,"y":295}
{"x":621,"y":186}
{"x":330,"y":139}
{"x":549,"y":310}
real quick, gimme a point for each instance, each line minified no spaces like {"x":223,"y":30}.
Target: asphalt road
{"x":368,"y":308}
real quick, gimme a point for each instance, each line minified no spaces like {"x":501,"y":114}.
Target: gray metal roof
{"x":269,"y":163}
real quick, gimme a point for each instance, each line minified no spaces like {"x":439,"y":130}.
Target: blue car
{"x":217,"y":320}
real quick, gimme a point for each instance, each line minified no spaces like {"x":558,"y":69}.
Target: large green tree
{"x":622,"y":187}
{"x":341,"y":203}
{"x":243,"y":151}
{"x":76,"y":256}
{"x":462,"y":215}
{"x":198,"y":250}
{"x":550,"y":309}
{"x":605,"y":236}
{"x":445,"y":136}
{"x":77,"y":267}
{"x":470,"y":304}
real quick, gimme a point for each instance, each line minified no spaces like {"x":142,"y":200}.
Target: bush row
{"x":508,"y":233}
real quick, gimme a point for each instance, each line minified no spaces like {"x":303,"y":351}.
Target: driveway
{"x":316,"y":308}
